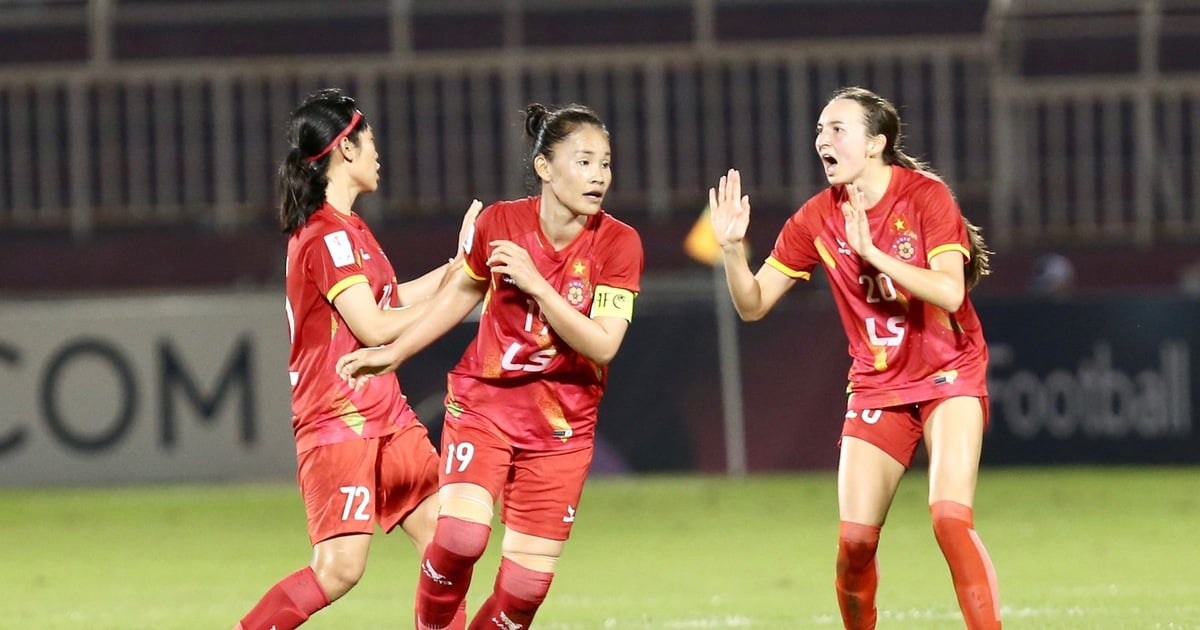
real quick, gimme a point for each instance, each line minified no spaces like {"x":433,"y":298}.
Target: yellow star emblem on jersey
{"x":899,"y":224}
{"x":579,"y":268}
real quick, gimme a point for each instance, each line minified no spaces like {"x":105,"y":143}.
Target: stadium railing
{"x":1095,"y":141}
{"x":197,"y":141}
{"x":1098,"y":155}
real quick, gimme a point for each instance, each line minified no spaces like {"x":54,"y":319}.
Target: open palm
{"x":729,"y":210}
{"x":858,"y":229}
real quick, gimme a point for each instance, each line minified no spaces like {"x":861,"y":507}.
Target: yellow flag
{"x":701,"y":242}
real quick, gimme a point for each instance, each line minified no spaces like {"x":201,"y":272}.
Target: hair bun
{"x":535,"y":118}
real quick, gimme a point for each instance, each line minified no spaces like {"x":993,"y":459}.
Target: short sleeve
{"x":942,"y":225}
{"x":795,"y":252}
{"x":625,"y":261}
{"x":331,"y":261}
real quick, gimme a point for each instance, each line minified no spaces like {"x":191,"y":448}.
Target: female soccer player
{"x":558,"y":277}
{"x":363,"y":456}
{"x":900,"y":259}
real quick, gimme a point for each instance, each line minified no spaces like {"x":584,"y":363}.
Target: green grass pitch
{"x":1074,"y":548}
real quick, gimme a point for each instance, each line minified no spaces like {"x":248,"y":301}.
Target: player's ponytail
{"x":301,"y":190}
{"x":978,"y":266}
{"x":314,"y":129}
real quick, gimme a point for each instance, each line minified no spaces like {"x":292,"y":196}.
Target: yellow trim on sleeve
{"x":823,"y":252}
{"x":950,"y":247}
{"x":612,"y":302}
{"x":471,"y":272}
{"x":344,"y":284}
{"x":785,"y":270}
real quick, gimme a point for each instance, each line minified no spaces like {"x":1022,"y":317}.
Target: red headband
{"x":338,"y":138}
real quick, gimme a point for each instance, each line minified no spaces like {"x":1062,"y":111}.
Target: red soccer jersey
{"x":331,"y":252}
{"x":904,"y":350}
{"x":517,"y":374}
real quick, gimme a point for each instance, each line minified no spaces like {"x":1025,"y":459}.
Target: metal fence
{"x":84,"y":148}
{"x":1098,"y":159}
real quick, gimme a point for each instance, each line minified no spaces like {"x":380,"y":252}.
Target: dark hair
{"x":881,"y":118}
{"x":548,"y":127}
{"x":313,"y":127}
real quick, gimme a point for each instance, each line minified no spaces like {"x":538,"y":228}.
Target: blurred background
{"x":142,"y":332}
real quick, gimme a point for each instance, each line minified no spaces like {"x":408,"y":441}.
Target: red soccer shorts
{"x":350,"y":486}
{"x":896,"y":430}
{"x":540,"y":490}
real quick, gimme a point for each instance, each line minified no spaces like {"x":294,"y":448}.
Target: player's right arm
{"x":372,"y":325}
{"x":443,"y":311}
{"x":753,"y":294}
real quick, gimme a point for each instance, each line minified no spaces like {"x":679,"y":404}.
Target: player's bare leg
{"x":867,"y":482}
{"x":338,"y":564}
{"x":954,"y":439}
{"x":526,"y":571}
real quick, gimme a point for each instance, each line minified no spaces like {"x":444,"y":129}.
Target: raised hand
{"x":858,"y":229}
{"x":468,"y":224}
{"x":728,"y":209}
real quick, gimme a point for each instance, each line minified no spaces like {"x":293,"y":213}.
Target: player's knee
{"x":949,"y":516}
{"x":338,"y":574}
{"x":462,"y":538}
{"x":525,"y":583}
{"x":857,"y":544}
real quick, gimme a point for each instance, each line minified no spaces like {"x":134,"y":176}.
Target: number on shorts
{"x":462,"y":452}
{"x":356,"y":491}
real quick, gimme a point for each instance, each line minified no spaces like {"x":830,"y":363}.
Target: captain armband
{"x":612,"y":302}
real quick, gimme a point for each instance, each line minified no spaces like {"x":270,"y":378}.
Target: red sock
{"x":460,"y":617}
{"x":446,"y":571}
{"x":515,"y":599}
{"x":857,"y":574}
{"x":288,"y":604}
{"x":974,"y":576}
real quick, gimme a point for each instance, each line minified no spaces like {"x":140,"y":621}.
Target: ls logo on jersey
{"x":339,"y":248}
{"x":895,"y":331}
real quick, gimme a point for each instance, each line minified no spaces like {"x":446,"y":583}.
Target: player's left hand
{"x":513,"y":261}
{"x":858,"y":229}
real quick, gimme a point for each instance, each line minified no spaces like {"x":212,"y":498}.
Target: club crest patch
{"x":576,"y":293}
{"x":904,"y":248}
